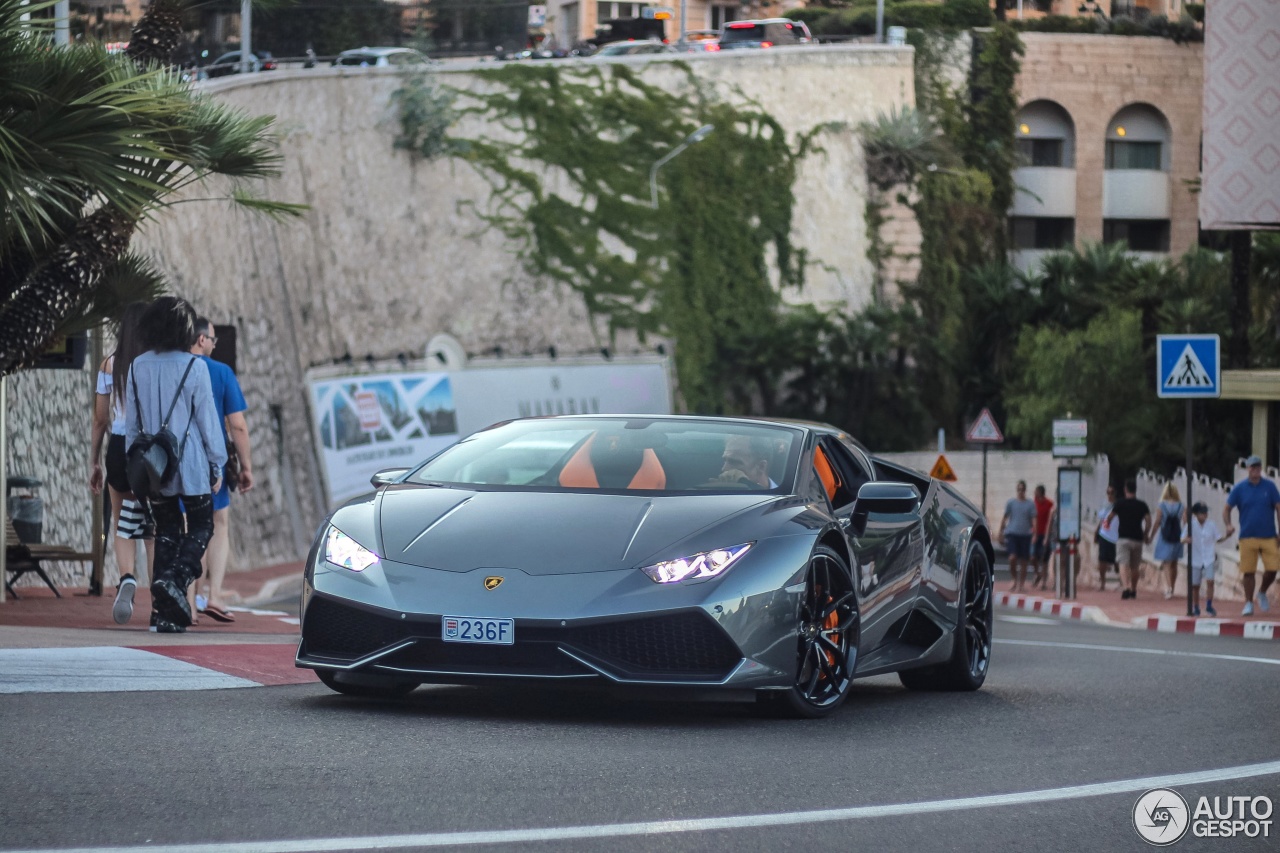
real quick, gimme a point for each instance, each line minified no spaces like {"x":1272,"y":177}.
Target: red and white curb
{"x":1209,"y":627}
{"x":1051,"y":607}
{"x":1163,"y":622}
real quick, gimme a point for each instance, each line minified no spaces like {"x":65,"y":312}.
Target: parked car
{"x":381,"y":57}
{"x":769,"y":32}
{"x":700,"y":46}
{"x":714,"y":554}
{"x":229,"y":63}
{"x":633,"y":48}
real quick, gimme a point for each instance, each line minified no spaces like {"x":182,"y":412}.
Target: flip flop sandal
{"x":215,"y":612}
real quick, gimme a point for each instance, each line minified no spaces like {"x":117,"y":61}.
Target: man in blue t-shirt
{"x":229,"y":401}
{"x":1259,"y":503}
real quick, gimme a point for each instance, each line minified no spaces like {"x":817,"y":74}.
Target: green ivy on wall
{"x":568,"y":153}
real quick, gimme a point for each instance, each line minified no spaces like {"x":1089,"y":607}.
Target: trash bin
{"x":26,"y":509}
{"x":897,"y":36}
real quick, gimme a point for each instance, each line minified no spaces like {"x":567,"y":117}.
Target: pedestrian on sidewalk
{"x":167,"y":382}
{"x":1015,"y":534}
{"x":128,"y":523}
{"x":228,"y":399}
{"x":1135,"y":526}
{"x":1259,"y":503}
{"x":1202,"y":536}
{"x":1167,"y":534}
{"x":1041,"y":549}
{"x":1105,"y":538}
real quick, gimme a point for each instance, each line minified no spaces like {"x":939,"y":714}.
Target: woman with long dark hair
{"x":168,"y":381}
{"x":108,"y":419}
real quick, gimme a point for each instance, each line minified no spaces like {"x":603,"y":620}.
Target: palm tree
{"x":91,"y":144}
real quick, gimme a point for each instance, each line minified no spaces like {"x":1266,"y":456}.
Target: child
{"x":1202,"y":536}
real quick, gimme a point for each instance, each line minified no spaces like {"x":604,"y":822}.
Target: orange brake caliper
{"x":832,"y":621}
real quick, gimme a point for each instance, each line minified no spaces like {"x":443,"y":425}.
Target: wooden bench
{"x":23,"y":557}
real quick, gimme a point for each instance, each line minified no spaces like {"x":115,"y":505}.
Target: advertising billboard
{"x":1241,"y":156}
{"x":368,"y":420}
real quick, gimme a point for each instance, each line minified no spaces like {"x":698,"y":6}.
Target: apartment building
{"x":571,"y":21}
{"x":1109,"y":142}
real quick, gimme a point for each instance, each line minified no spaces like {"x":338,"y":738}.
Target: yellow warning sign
{"x":942,"y":470}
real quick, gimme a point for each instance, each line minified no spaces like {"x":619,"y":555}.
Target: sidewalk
{"x":1150,"y":611}
{"x":263,"y":601}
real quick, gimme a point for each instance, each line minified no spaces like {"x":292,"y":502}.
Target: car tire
{"x":827,"y":636}
{"x":971,"y":651}
{"x":368,"y":686}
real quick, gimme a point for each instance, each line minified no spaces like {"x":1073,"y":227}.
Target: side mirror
{"x":883,"y":498}
{"x":387,"y":476}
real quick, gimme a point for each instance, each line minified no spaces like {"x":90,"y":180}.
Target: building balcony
{"x":1135,"y":194}
{"x":1029,"y":260}
{"x":1044,"y":191}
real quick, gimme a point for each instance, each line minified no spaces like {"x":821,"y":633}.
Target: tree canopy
{"x":92,"y":144}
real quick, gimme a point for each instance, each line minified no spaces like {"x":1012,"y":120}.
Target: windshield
{"x":627,"y":455}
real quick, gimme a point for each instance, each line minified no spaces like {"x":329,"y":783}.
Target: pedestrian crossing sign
{"x":942,"y":470}
{"x":1188,"y":366}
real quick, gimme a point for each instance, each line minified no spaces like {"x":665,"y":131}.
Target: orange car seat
{"x":638,"y":470}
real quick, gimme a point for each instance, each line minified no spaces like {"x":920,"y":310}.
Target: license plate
{"x":467,"y":629}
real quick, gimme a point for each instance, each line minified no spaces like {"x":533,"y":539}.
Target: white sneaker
{"x":201,"y":602}
{"x":1263,"y":604}
{"x":1248,"y":609}
{"x":122,"y":610}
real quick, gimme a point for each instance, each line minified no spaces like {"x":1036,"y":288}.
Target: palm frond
{"x":277,"y":210}
{"x":132,"y":278}
{"x":900,"y":145}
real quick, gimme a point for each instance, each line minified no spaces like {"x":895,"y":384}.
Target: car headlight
{"x":706,"y":564}
{"x":341,"y":550}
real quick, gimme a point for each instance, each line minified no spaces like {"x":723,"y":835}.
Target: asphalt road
{"x":300,"y":768}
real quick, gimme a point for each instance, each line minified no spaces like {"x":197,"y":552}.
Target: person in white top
{"x":108,"y":418}
{"x":1203,"y":536}
{"x":1106,"y":537}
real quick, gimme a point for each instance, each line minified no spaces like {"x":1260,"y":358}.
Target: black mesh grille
{"x":333,"y":630}
{"x":675,"y":646}
{"x":682,"y":644}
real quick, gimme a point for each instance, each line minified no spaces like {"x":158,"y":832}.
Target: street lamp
{"x":697,"y":136}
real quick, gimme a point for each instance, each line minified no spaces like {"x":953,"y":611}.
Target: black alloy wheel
{"x":365,"y":686}
{"x":971,"y":651}
{"x":977,"y":618}
{"x":827,"y":635}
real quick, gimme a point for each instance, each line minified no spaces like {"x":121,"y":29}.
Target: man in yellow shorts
{"x":1259,"y":503}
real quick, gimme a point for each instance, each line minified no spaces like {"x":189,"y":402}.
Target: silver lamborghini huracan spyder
{"x":744,"y":556}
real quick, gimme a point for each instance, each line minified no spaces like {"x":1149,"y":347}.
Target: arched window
{"x":1046,"y":136}
{"x":1138,"y":138}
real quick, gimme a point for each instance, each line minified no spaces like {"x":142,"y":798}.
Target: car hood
{"x":542,"y":533}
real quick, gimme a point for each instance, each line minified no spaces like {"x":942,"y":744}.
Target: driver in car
{"x":746,"y":462}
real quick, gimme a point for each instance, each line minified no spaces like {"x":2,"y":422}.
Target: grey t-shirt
{"x":1022,"y":516}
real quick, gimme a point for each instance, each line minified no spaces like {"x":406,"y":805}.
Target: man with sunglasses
{"x":229,"y":401}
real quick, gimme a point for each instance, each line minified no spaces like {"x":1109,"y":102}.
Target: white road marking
{"x":1029,"y":620}
{"x":664,"y":827}
{"x":104,"y":669}
{"x":1139,"y":651}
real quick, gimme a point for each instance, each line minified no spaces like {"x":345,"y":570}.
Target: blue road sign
{"x":1188,"y":366}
